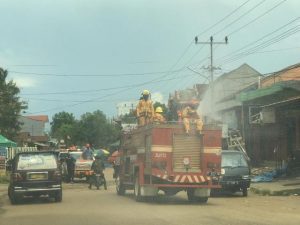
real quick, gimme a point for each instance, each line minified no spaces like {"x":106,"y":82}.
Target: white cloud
{"x":157,"y":97}
{"x":25,"y":82}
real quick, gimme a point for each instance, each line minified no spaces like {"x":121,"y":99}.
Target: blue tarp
{"x":268,"y":176}
{"x":264,"y":177}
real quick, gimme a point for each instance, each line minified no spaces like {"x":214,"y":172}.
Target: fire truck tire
{"x":137,"y":189}
{"x":192,"y":198}
{"x":119,"y":186}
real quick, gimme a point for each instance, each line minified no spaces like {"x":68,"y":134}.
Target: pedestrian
{"x":144,"y":109}
{"x":88,"y":152}
{"x":70,"y":167}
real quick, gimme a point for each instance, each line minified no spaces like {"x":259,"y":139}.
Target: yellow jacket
{"x":145,"y":108}
{"x":159,"y":118}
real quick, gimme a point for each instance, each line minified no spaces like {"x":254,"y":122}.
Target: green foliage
{"x":93,"y":128}
{"x":10,"y":107}
{"x":128,"y":118}
{"x":4,"y":178}
{"x":63,"y":126}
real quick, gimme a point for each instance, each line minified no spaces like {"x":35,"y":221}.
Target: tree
{"x":63,"y":126}
{"x":96,"y":129}
{"x":10,"y":106}
{"x":128,"y":118}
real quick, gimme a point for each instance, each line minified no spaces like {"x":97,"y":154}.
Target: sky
{"x":80,"y":56}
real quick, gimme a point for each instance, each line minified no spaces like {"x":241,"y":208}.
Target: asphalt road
{"x":82,"y":206}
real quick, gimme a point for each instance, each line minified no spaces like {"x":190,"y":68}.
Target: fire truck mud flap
{"x":202,"y":192}
{"x":149,"y":191}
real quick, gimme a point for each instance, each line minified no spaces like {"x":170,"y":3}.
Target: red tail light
{"x":17,"y":177}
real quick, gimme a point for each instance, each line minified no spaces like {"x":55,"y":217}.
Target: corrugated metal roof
{"x":262,"y":92}
{"x":43,"y":118}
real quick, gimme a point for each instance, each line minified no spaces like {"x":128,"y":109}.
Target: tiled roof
{"x":43,"y":118}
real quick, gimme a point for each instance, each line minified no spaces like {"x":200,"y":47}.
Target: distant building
{"x":33,"y":130}
{"x":126,"y":107}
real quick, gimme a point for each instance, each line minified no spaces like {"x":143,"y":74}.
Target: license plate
{"x":37,"y":176}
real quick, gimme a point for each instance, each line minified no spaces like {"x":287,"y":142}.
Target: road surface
{"x":82,"y":206}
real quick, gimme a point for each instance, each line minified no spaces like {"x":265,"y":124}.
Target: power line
{"x":91,"y":75}
{"x":240,"y":17}
{"x":102,"y":89}
{"x":258,"y":17}
{"x":212,"y":26}
{"x":224,"y":18}
{"x":88,"y":100}
{"x":265,"y":44}
{"x":263,"y":37}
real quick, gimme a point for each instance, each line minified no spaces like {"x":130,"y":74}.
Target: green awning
{"x":6,"y":143}
{"x":262,"y":92}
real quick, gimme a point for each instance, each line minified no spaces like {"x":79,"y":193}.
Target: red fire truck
{"x":163,"y":157}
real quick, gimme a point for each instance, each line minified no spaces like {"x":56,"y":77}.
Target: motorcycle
{"x":98,"y":180}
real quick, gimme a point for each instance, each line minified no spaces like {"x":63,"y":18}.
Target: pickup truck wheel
{"x":202,"y":199}
{"x":137,"y":189}
{"x":245,"y":192}
{"x":58,"y":196}
{"x":119,"y":186}
{"x":12,"y":197}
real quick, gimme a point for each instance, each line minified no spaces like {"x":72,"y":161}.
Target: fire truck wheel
{"x":192,"y":198}
{"x":137,"y":189}
{"x":119,"y":186}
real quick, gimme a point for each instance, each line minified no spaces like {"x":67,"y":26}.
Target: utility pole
{"x":211,"y":83}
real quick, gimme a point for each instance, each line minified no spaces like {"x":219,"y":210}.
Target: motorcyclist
{"x":97,"y":167}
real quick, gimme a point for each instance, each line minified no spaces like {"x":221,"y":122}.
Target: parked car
{"x":35,"y":174}
{"x":235,"y":172}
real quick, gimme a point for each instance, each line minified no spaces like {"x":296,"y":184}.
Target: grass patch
{"x":4,"y":178}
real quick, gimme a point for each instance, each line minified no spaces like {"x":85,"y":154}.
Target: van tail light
{"x":17,"y":177}
{"x":57,"y":175}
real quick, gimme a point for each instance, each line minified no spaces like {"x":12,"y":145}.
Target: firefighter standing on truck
{"x":144,"y":109}
{"x":158,"y":117}
{"x":190,"y":115}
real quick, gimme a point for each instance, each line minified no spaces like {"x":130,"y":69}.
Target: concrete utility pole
{"x":211,"y":83}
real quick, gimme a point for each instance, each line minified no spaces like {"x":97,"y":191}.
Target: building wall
{"x":293,"y":74}
{"x":125,"y":107}
{"x":33,"y":127}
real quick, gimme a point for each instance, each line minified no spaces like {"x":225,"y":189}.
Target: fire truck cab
{"x":163,"y":157}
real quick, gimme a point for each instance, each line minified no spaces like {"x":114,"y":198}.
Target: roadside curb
{"x":270,"y":192}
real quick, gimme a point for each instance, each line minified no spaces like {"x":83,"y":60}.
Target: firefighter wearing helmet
{"x":158,"y":117}
{"x":144,"y":109}
{"x":190,"y":115}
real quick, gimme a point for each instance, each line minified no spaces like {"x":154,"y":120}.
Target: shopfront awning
{"x":4,"y":142}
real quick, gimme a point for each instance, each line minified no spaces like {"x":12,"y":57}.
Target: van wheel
{"x":137,"y":189}
{"x":245,"y":192}
{"x":119,"y":186}
{"x":58,"y":196}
